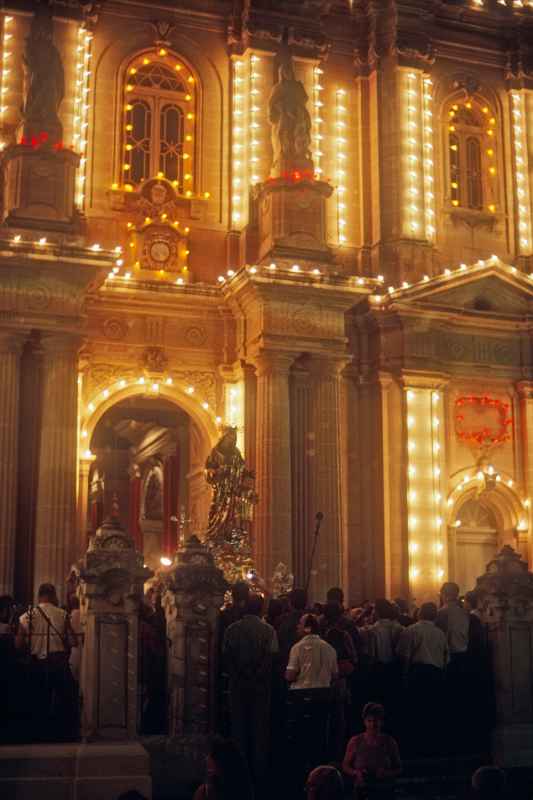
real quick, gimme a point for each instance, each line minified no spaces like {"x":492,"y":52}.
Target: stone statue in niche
{"x":153,"y":499}
{"x":231,"y":512}
{"x":291,"y":122}
{"x":45,"y":82}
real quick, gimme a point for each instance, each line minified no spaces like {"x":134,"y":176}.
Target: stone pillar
{"x":112,"y":577}
{"x":250,"y":415}
{"x":10,"y":349}
{"x":525,"y":435}
{"x":351,"y":467}
{"x":56,"y":495}
{"x":302,"y":453}
{"x":506,"y":601}
{"x":195,"y":591}
{"x":135,"y":506}
{"x":272,"y":530}
{"x":326,"y":473}
{"x":83,"y":505}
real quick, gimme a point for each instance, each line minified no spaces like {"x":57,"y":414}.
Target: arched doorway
{"x":481,"y":522}
{"x":147,"y":464}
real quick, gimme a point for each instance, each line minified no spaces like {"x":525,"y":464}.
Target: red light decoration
{"x":483,"y":436}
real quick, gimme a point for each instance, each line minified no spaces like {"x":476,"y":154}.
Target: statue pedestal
{"x":506,"y":600}
{"x":39,"y":187}
{"x":195,"y":591}
{"x":292,"y":218}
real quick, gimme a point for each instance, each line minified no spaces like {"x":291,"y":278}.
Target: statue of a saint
{"x":45,"y":82}
{"x":231,"y":512}
{"x":233,"y":488}
{"x":291,"y":123}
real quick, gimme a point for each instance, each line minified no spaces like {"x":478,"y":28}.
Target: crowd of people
{"x":300,"y":682}
{"x":308,"y":690}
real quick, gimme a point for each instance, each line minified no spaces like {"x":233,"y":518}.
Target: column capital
{"x":524,"y":389}
{"x":329,"y":365}
{"x":54,"y":344}
{"x":12,"y":341}
{"x":273,"y":361}
{"x":424,"y":380}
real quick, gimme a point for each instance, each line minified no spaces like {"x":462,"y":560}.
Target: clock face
{"x":160,"y":251}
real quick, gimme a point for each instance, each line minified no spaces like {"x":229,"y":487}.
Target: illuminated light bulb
{"x":165,"y":561}
{"x":510,"y":483}
{"x":425,"y":278}
{"x":190,"y":389}
{"x":42,"y":241}
{"x":96,"y":248}
{"x":295,"y":268}
{"x":221,"y":279}
{"x":106,"y":393}
{"x":272,"y":266}
{"x":253,"y":270}
{"x":414,"y":572}
{"x":205,"y":405}
{"x":122,"y":383}
{"x":231,"y":273}
{"x":436,"y":472}
{"x":84,"y":434}
{"x":440,"y":573}
{"x":17,"y":238}
{"x":91,"y":407}
{"x":180,"y":281}
{"x":413,"y":547}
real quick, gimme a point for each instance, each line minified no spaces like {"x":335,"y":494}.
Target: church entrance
{"x":474,"y":541}
{"x":148,"y":470}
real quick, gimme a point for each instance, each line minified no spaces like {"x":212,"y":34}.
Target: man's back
{"x":314,"y":663}
{"x":423,"y":643}
{"x":454,"y":621}
{"x":248,"y":648}
{"x":45,"y":627}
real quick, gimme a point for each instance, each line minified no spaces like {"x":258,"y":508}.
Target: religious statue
{"x":231,"y":512}
{"x":291,"y":123}
{"x":45,"y":87}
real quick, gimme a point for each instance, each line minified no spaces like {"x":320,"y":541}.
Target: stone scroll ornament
{"x":291,"y":123}
{"x":482,"y":422}
{"x":228,"y":534}
{"x":45,"y":83}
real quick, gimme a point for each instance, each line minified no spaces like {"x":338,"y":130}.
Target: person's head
{"x":275,"y":608}
{"x":428,"y":611}
{"x":449,"y":592}
{"x":298,"y":599}
{"x":471,"y":601}
{"x":373,"y":717}
{"x":402,"y":604}
{"x":47,"y":593}
{"x":308,"y":625}
{"x":6,"y":606}
{"x":324,"y":783}
{"x":384,"y":609}
{"x":489,"y":783}
{"x":227,"y":770}
{"x":254,"y":606}
{"x":335,"y":595}
{"x":240,"y":593}
{"x":332,"y":613}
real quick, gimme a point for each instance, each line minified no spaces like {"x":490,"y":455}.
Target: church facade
{"x":308,"y":220}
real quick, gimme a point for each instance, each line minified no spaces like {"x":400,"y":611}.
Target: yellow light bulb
{"x":162,"y":52}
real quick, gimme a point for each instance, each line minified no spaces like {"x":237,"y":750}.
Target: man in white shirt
{"x":454,"y":621}
{"x":312,"y":661}
{"x":44,"y":629}
{"x":423,"y":651}
{"x":311,"y":670}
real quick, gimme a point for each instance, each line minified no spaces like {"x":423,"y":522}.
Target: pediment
{"x":495,"y":291}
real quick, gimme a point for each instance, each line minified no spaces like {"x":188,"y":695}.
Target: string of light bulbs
{"x":522,"y":181}
{"x":340,"y":164}
{"x":81,"y":109}
{"x":238,"y":161}
{"x":317,"y":121}
{"x":7,"y":60}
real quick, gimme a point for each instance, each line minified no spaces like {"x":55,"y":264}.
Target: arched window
{"x":471,"y":135}
{"x":160,"y":121}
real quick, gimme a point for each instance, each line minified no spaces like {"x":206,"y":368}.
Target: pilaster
{"x":302,"y":452}
{"x":326,"y":472}
{"x":10,"y":349}
{"x":525,"y":432}
{"x":56,"y":504}
{"x":273,"y":525}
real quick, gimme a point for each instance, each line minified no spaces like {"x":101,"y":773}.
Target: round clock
{"x":159,"y":251}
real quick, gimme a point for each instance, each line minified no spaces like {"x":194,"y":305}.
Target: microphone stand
{"x":318,"y":518}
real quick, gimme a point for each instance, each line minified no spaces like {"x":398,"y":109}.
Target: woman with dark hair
{"x":372,"y":758}
{"x":227,"y":773}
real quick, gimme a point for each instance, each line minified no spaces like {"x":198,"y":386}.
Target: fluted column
{"x":56,"y":505}
{"x":10,"y":349}
{"x":525,"y":436}
{"x":273,"y":521}
{"x":326,"y":482}
{"x":302,"y":451}
{"x":83,"y":505}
